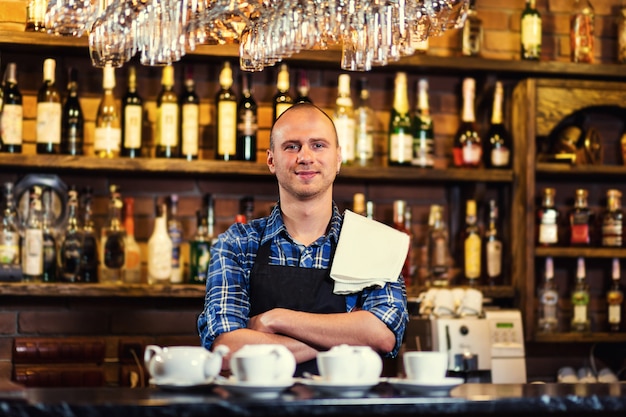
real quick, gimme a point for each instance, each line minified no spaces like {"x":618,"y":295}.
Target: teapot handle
{"x":213,"y":361}
{"x":286,"y":361}
{"x":148,"y":355}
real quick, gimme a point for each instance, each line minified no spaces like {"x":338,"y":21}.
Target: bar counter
{"x":301,"y":401}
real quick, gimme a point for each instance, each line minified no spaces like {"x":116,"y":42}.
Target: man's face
{"x":305,"y":156}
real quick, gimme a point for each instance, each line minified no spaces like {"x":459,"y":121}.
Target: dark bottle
{"x":12,"y":112}
{"x":548,"y":220}
{"x":282,"y":100}
{"x":400,"y":140}
{"x":226,"y":121}
{"x":612,"y":220}
{"x":580,"y":220}
{"x":246,"y":122}
{"x":167,"y":123}
{"x":467,"y":148}
{"x":423,"y":130}
{"x":200,"y":251}
{"x":189,"y":119}
{"x":113,"y":238}
{"x":303,"y":88}
{"x":72,"y":245}
{"x":9,"y":231}
{"x":72,"y":120}
{"x":132,"y":118}
{"x":246,"y":208}
{"x":498,"y":152}
{"x":49,"y":111}
{"x":90,"y":259}
{"x":49,"y":238}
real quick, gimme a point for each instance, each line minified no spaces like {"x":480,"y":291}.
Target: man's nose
{"x":304,"y":155}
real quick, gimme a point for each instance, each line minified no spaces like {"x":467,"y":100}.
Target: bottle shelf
{"x":571,"y":337}
{"x":182,"y":167}
{"x":568,"y":252}
{"x":55,"y":289}
{"x":585,"y":172}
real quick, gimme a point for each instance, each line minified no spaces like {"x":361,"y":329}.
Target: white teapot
{"x":348,"y":364}
{"x":263,"y":364}
{"x":183,"y":365}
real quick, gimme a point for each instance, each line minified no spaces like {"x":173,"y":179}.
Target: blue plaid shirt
{"x":227,"y":305}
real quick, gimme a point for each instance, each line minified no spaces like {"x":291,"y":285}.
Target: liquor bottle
{"x":358,"y":204}
{"x":467,"y":148}
{"x":200,"y":251}
{"x":437,"y":248}
{"x":189,"y":119}
{"x":9,"y":230}
{"x":175,"y":232}
{"x":246,"y":122}
{"x":580,"y":220}
{"x":343,"y":117}
{"x":369,"y":209}
{"x":499,"y":143}
{"x":113,"y":238}
{"x":282,"y":100}
{"x":530,"y":32}
{"x":72,"y":119}
{"x":472,"y":33}
{"x":493,"y":247}
{"x":132,"y":118}
{"x":472,"y":245}
{"x":581,"y":32}
{"x":615,"y":298}
{"x":364,"y":126}
{"x":399,"y":212}
{"x":36,"y":15}
{"x":303,"y":88}
{"x":548,"y":220}
{"x":160,"y":250}
{"x":548,"y":301}
{"x":12,"y":112}
{"x":423,"y":129}
{"x":32,"y":242}
{"x":400,"y":135}
{"x":226,"y":122}
{"x":49,"y":238}
{"x":580,"y":300}
{"x":90,"y":255}
{"x":167,"y":129}
{"x":131,"y":271}
{"x":70,"y":253}
{"x":108,"y":134}
{"x":49,"y":111}
{"x":612,"y":220}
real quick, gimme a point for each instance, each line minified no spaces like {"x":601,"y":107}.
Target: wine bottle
{"x":472,"y":245}
{"x":167,"y":128}
{"x":32,"y":242}
{"x":9,"y":230}
{"x":612,"y":220}
{"x":132,"y":118}
{"x":580,"y":300}
{"x":35,"y":15}
{"x":12,"y":112}
{"x":399,"y":223}
{"x":530,"y":32}
{"x":493,"y":247}
{"x":160,"y":250}
{"x":358,"y":204}
{"x":90,"y":256}
{"x":423,"y":129}
{"x":175,"y":232}
{"x":226,"y":122}
{"x":131,"y":271}
{"x":72,"y":120}
{"x":113,"y":238}
{"x":582,"y":27}
{"x":615,"y":298}
{"x":400,"y":150}
{"x":49,"y":111}
{"x":438,"y":242}
{"x":200,"y":251}
{"x":581,"y":220}
{"x":72,"y":244}
{"x":548,"y":220}
{"x":282,"y":100}
{"x":467,"y":148}
{"x":498,"y":152}
{"x":548,"y":301}
{"x":364,"y":126}
{"x":343,"y":117}
{"x":189,"y":118}
{"x":472,"y":33}
{"x":108,"y":134}
{"x":246,"y":122}
{"x":49,"y":238}
{"x":303,"y":88}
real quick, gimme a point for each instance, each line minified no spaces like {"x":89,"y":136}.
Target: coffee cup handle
{"x":148,"y":356}
{"x":284,"y":359}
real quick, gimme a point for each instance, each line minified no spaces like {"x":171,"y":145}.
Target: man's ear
{"x":270,"y":161}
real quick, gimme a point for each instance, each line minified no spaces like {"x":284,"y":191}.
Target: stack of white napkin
{"x":368,"y":253}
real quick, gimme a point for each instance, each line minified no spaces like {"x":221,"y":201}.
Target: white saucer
{"x":441,"y":387}
{"x":255,"y":389}
{"x":341,"y":389}
{"x":180,"y":385}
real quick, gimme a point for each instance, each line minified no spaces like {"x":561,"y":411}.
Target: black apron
{"x":295,"y":288}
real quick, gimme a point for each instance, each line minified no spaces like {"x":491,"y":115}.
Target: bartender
{"x":269,"y":280}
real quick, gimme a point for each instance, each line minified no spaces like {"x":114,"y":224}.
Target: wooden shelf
{"x":181,"y":167}
{"x":37,"y":289}
{"x":595,"y":337}
{"x":584,"y":172}
{"x":558,"y":252}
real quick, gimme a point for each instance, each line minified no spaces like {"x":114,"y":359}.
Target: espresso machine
{"x":486,"y":348}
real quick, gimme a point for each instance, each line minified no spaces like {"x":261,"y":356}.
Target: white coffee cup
{"x":425,"y":366}
{"x":263,"y":364}
{"x":183,"y":364}
{"x":472,"y":303}
{"x":444,"y":303}
{"x":457,"y":294}
{"x":349,"y":364}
